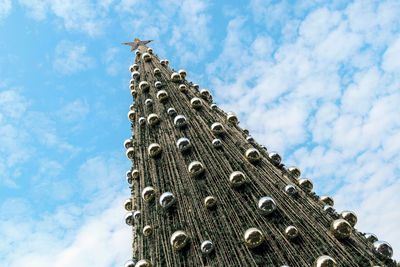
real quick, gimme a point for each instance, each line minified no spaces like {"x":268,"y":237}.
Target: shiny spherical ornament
{"x":325,"y":261}
{"x":329,"y":208}
{"x":130,"y":153}
{"x":275,"y":158}
{"x":341,"y":229}
{"x":131,"y":81}
{"x":153,"y":119}
{"x":253,"y":237}
{"x":290,"y":189}
{"x":129,"y":178}
{"x":349,"y":216}
{"x":133,"y":92}
{"x":157,"y":84}
{"x":157,"y":71}
{"x":326,"y":200}
{"x":142,"y":120}
{"x":182,"y":88}
{"x":144,"y":263}
{"x":217,"y":128}
{"x":383,"y":249}
{"x":162,"y":96}
{"x":135,"y":75}
{"x":131,"y":86}
{"x":179,"y":121}
{"x":217,"y":143}
{"x":144,"y":86}
{"x":293,"y":170}
{"x":129,"y":219}
{"x":210,"y":202}
{"x":183,"y":144}
{"x":183,"y":73}
{"x":128,"y":143}
{"x":266,"y":205}
{"x":246,"y":132}
{"x":146,"y":57}
{"x":128,"y":204}
{"x":207,"y":247}
{"x":148,"y":102}
{"x":305,"y":184}
{"x":131,"y":115}
{"x":162,"y":62}
{"x":249,"y":138}
{"x":213,"y":106}
{"x":371,"y":237}
{"x":179,"y":239}
{"x":171,"y":112}
{"x":205,"y":94}
{"x":136,"y":215}
{"x":154,"y":150}
{"x":195,"y":168}
{"x":232,"y":118}
{"x":291,"y":232}
{"x":195,"y":103}
{"x":150,"y":50}
{"x":148,"y":230}
{"x":167,"y":199}
{"x":252,"y":155}
{"x":175,"y":77}
{"x":135,"y":174}
{"x":237,"y":178}
{"x":196,"y":86}
{"x":129,"y":263}
{"x":148,"y":193}
{"x":131,"y":69}
{"x":131,"y":107}
{"x":135,"y":66}
{"x":137,"y":53}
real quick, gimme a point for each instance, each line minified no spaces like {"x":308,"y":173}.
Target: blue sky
{"x":317,"y":81}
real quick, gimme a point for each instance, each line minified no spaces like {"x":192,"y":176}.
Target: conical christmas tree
{"x":204,"y":193}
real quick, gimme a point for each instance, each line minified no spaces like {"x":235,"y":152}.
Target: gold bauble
{"x":217,"y":128}
{"x":135,"y":174}
{"x":154,"y":149}
{"x":148,"y":193}
{"x":205,"y":94}
{"x":325,"y":261}
{"x":195,"y":168}
{"x":253,"y":237}
{"x":349,"y":216}
{"x":131,"y":115}
{"x":252,"y":155}
{"x":153,"y":119}
{"x":162,"y":96}
{"x":148,"y":230}
{"x":341,"y":229}
{"x":237,"y":178}
{"x":327,"y":200}
{"x":128,"y":204}
{"x":175,"y":77}
{"x":232,"y":118}
{"x":179,"y":239}
{"x":144,"y":263}
{"x":182,"y":88}
{"x":195,"y":103}
{"x":306,"y":184}
{"x":182,"y":73}
{"x":146,"y":57}
{"x":144,"y":86}
{"x":293,"y":170}
{"x":291,"y":232}
{"x":210,"y":202}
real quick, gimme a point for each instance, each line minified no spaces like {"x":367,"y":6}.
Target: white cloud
{"x":74,"y":111}
{"x":325,"y":103}
{"x":71,"y":57}
{"x":71,"y":234}
{"x":5,"y":8}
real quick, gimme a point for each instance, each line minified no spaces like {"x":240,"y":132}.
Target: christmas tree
{"x":205,"y":193}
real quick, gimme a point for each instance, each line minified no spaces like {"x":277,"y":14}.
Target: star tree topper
{"x":136,"y":43}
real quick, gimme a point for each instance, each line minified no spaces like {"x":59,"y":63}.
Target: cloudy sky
{"x":318,"y":81}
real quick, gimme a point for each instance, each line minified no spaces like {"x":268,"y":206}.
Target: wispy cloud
{"x":327,"y":105}
{"x":5,"y":8}
{"x":71,"y":57}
